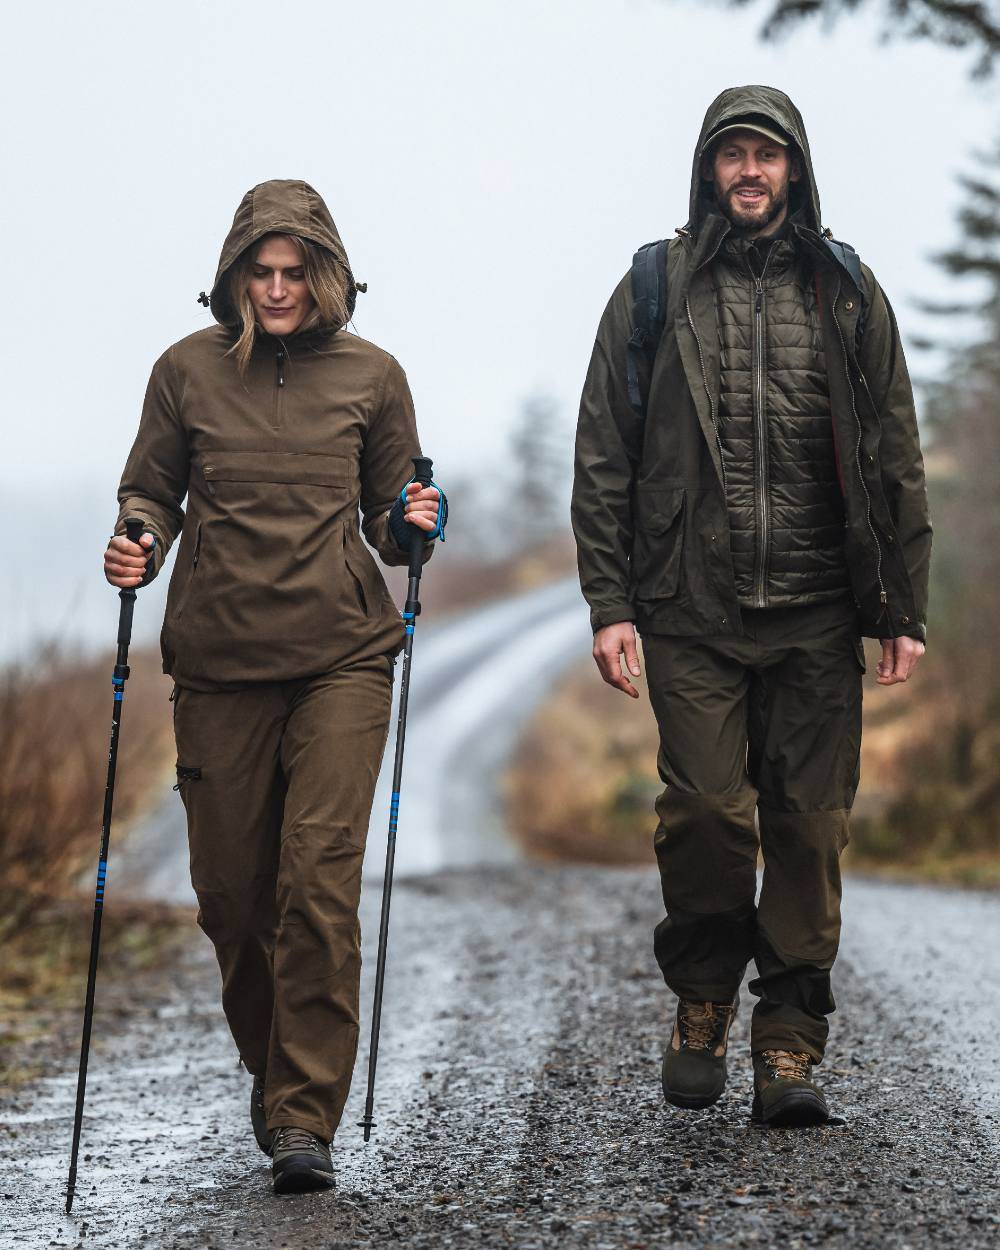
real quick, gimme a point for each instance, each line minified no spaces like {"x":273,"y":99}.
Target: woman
{"x":280,"y":636}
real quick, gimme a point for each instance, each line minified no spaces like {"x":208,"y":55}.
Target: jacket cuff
{"x":916,"y":632}
{"x":614,"y":615}
{"x":159,"y":552}
{"x":395,"y":554}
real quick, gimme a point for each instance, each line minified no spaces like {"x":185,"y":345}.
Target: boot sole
{"x":798,"y":1108}
{"x":694,"y":1102}
{"x":302,"y":1179}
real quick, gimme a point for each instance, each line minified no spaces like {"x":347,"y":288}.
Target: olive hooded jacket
{"x":649,"y":503}
{"x":272,"y":579}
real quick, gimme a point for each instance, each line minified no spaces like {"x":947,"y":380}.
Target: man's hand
{"x":609,"y":644}
{"x":899,"y":658}
{"x":421,"y":506}
{"x":125,"y":562}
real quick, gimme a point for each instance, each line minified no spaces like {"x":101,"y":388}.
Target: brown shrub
{"x":55,"y":729}
{"x":582,"y":782}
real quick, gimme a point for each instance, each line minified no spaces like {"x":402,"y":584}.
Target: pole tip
{"x":367,"y":1124}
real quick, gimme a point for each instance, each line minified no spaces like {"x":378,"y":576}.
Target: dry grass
{"x":55,"y":725}
{"x":582,"y":783}
{"x":45,"y":974}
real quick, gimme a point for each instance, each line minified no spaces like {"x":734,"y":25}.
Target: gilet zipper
{"x":758,"y":374}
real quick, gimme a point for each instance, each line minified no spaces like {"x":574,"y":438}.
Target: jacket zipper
{"x":708,"y":392}
{"x":883,"y":598}
{"x":704,"y":372}
{"x":760,"y":456}
{"x":279,"y":382}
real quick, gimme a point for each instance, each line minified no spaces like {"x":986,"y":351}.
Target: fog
{"x":491,"y":168}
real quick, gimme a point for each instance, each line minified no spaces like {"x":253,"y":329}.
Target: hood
{"x":777,"y":108}
{"x":282,"y":206}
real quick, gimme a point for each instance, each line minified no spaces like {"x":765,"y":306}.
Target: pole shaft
{"x":412,"y":607}
{"x":118,"y":683}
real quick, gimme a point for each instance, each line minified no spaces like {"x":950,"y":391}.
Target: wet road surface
{"x":518,"y":1098}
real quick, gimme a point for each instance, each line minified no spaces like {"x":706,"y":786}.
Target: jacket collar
{"x":708,"y":239}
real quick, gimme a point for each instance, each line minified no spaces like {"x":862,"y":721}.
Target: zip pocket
{"x":196,"y":556}
{"x":186,"y":773}
{"x":355,"y":572}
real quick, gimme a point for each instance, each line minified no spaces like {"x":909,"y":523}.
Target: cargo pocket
{"x":659,"y":541}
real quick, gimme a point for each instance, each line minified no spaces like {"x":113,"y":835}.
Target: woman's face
{"x":278,"y":289}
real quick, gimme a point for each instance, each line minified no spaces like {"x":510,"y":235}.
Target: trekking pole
{"x":133,"y":532}
{"x":422,"y":469}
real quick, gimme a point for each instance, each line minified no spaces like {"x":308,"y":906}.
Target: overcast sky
{"x":491,"y":166}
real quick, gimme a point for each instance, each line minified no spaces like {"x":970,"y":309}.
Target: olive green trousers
{"x":277,"y":781}
{"x":766,"y":723}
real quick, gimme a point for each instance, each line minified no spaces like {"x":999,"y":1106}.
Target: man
{"x":762,"y":508}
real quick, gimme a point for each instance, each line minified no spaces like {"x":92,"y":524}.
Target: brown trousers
{"x":767,"y":722}
{"x":277,"y":781}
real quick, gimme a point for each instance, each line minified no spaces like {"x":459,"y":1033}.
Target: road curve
{"x":518,"y":1100}
{"x":474,"y":682}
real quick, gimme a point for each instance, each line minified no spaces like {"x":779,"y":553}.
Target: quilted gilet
{"x":783,"y":491}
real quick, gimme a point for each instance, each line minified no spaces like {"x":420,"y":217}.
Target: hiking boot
{"x":300,"y":1161}
{"x":784,"y":1093}
{"x":258,"y":1118}
{"x":694,"y":1062}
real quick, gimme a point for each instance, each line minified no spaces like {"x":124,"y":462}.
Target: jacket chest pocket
{"x":277,"y":468}
{"x":658,"y":544}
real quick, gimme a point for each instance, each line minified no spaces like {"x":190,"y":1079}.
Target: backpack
{"x":649,"y":309}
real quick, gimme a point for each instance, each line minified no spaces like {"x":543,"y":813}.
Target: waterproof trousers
{"x":768,"y":722}
{"x":277,"y":781}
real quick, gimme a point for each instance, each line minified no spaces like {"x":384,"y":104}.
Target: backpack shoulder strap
{"x":848,"y":259}
{"x":649,"y":312}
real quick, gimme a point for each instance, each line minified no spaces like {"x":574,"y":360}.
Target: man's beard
{"x":750,"y":226}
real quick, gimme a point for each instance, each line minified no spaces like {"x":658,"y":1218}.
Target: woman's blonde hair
{"x":324,"y":276}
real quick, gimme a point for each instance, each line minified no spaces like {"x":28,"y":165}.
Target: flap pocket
{"x":659,"y":540}
{"x":294,"y":468}
{"x":657,"y":512}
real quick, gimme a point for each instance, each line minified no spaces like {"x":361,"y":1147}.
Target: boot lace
{"x":699,"y":1021}
{"x":290,"y":1138}
{"x":792,"y":1064}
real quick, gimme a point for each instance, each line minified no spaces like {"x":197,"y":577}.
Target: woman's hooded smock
{"x":272,"y":580}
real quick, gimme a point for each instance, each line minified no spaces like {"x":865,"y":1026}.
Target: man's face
{"x":751,"y":175}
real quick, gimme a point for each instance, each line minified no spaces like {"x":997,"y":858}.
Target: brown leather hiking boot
{"x":300,"y":1162}
{"x":784,"y":1093}
{"x":694,"y":1062}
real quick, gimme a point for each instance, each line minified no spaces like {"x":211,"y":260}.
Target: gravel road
{"x":518,"y":1100}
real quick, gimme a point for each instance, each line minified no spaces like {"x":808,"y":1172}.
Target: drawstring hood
{"x":281,"y":206}
{"x":771,"y":108}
